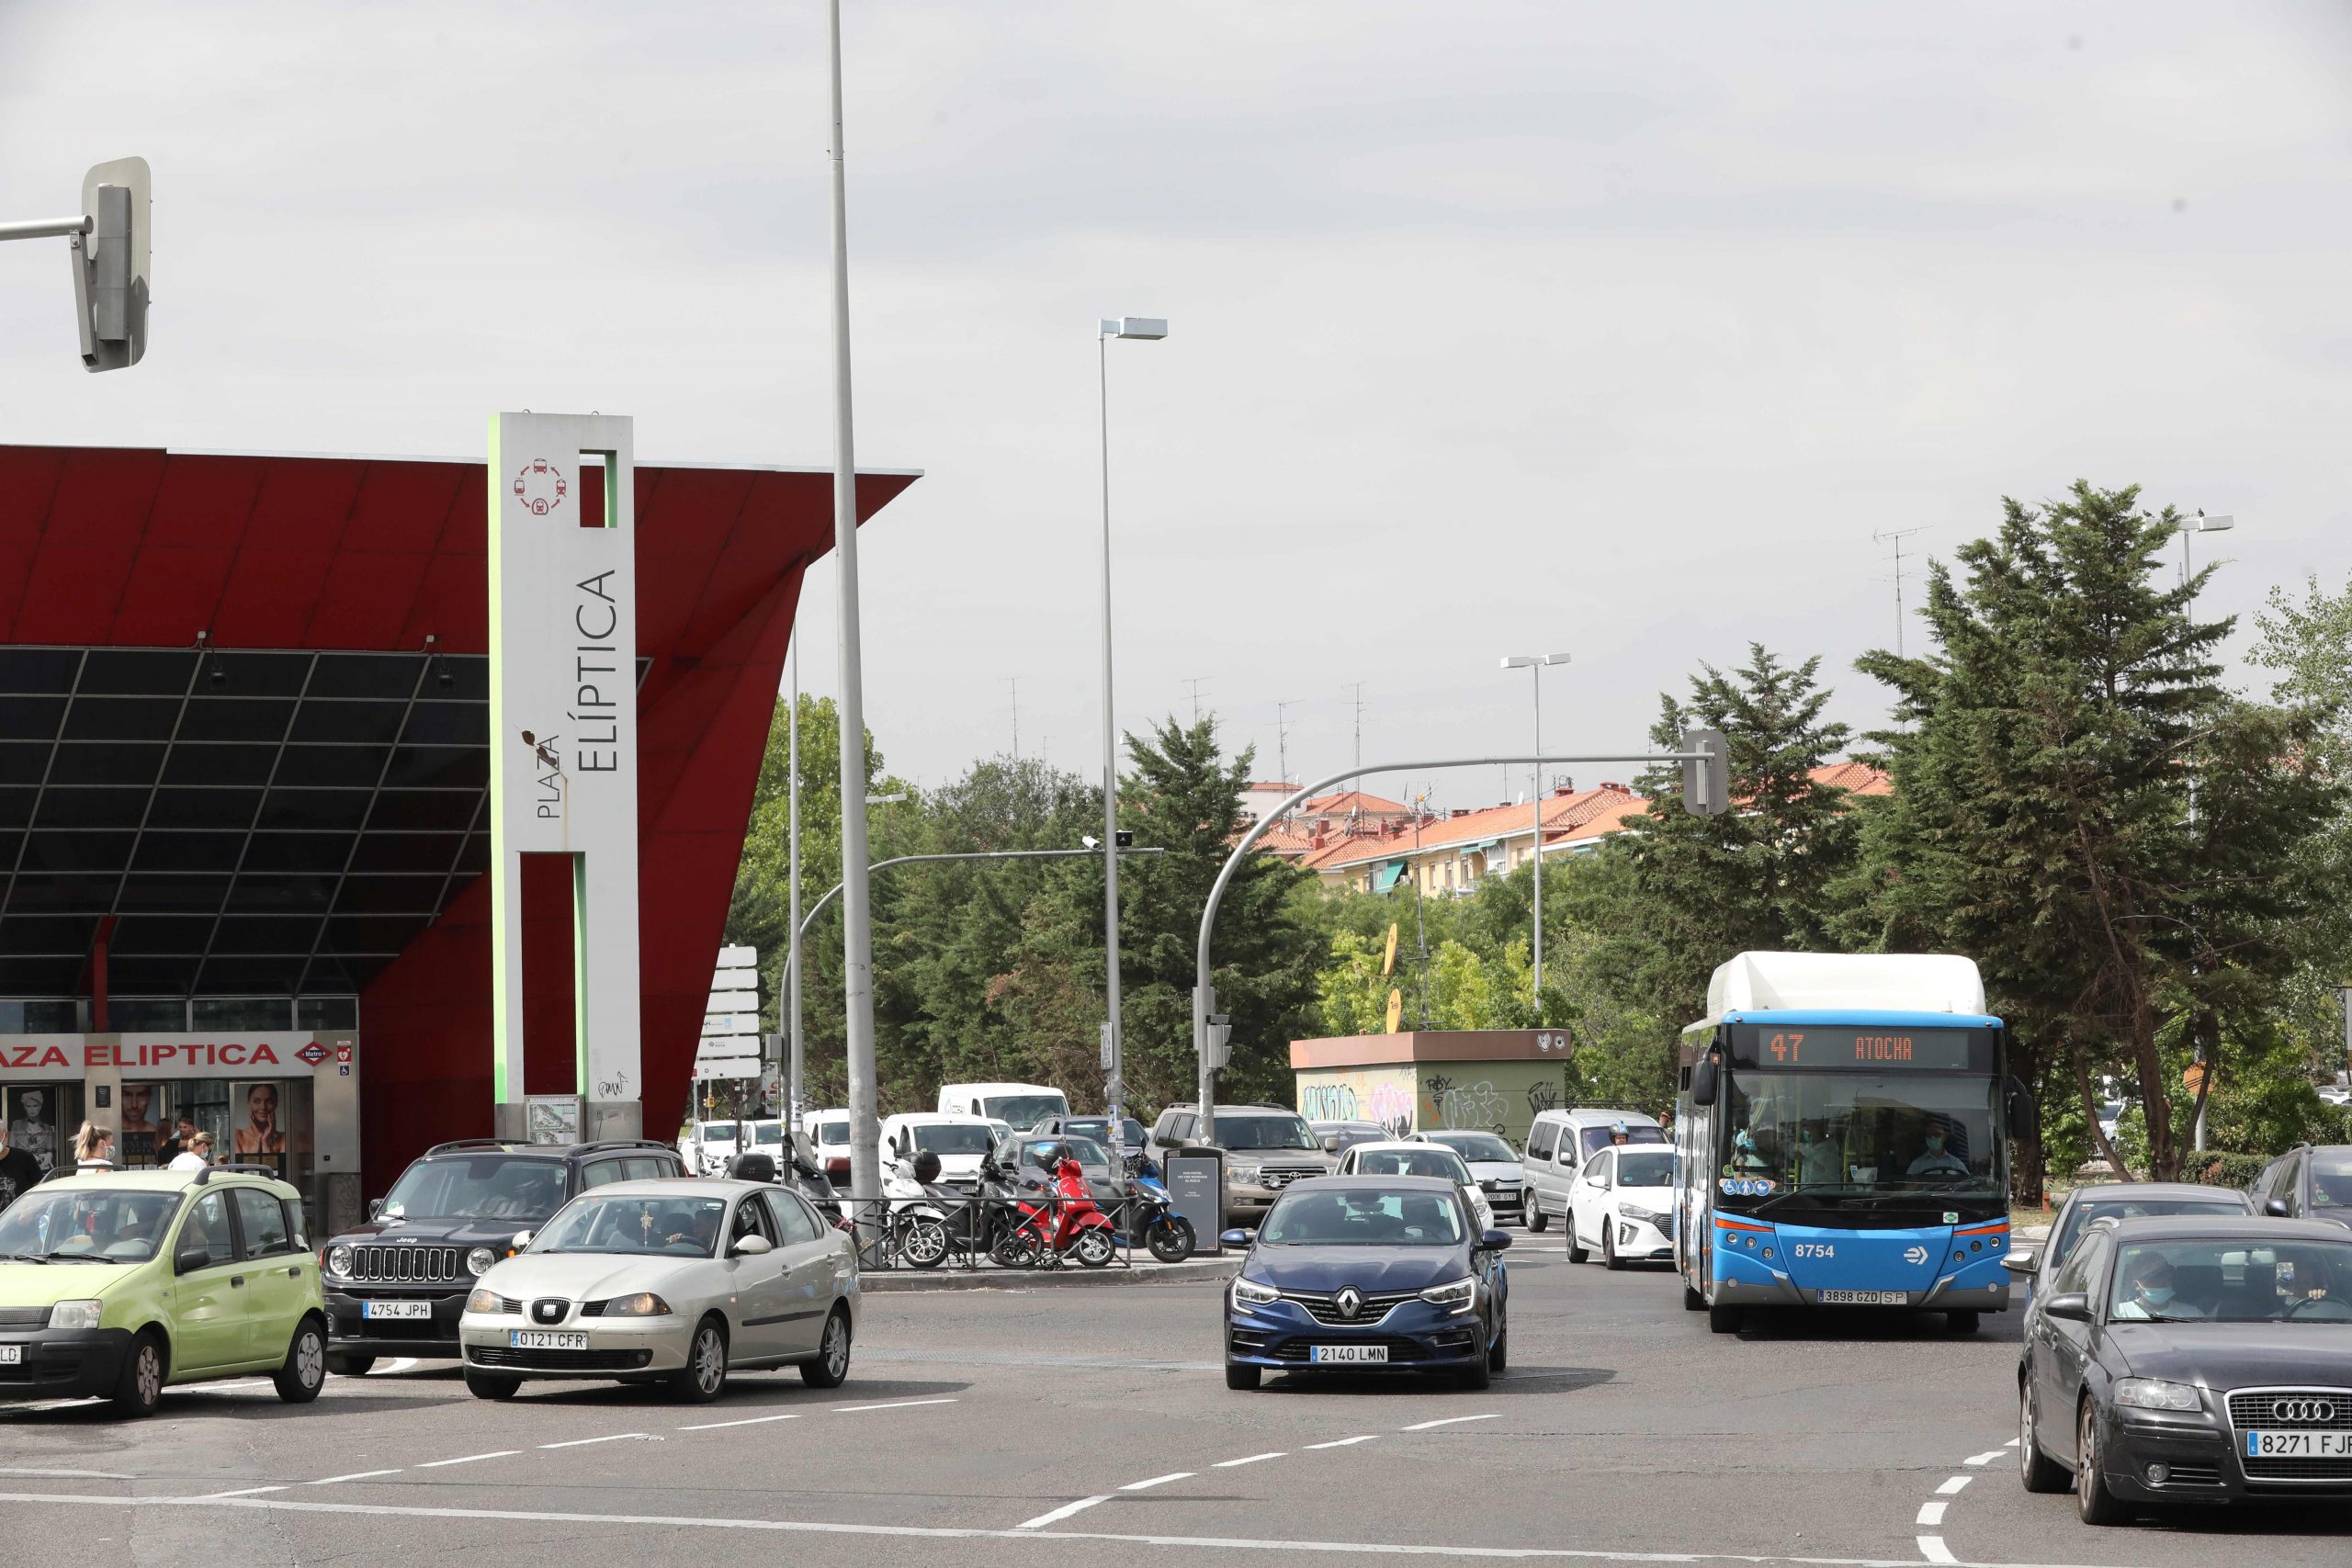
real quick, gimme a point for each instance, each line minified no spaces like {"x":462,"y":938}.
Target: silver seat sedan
{"x":676,"y":1282}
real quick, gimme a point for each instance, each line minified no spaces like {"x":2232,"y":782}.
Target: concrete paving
{"x":1042,"y":1425}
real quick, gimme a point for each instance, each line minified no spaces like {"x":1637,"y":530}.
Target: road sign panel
{"x":722,"y":1023}
{"x":738,"y":957}
{"x":733,"y":1001}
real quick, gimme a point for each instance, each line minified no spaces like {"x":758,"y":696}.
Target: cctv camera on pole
{"x":109,"y":246}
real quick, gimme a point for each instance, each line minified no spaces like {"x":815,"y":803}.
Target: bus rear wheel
{"x":1723,"y":1317}
{"x":1961,"y":1322}
{"x":1692,"y":1300}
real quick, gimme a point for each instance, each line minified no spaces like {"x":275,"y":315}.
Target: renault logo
{"x":1349,"y":1300}
{"x":2317,"y":1412}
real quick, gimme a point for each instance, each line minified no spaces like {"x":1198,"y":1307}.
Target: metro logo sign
{"x":314,"y":1053}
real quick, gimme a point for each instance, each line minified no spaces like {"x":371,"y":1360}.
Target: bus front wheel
{"x":1692,"y":1300}
{"x":1723,"y":1317}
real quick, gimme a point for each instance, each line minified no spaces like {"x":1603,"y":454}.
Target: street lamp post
{"x":1533,"y":665}
{"x":796,"y":1059}
{"x":2201,"y":524}
{"x":1144,"y":329}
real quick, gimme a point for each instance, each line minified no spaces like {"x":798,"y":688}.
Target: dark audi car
{"x":2191,"y":1359}
{"x":397,"y":1285}
{"x":1368,"y":1274}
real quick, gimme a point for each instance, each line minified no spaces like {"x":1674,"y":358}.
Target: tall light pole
{"x":796,"y":1059}
{"x":2201,"y":524}
{"x":1533,"y":665}
{"x":857,"y":912}
{"x":1146,"y":329}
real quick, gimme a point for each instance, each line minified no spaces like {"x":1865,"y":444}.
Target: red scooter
{"x":1066,"y":1223}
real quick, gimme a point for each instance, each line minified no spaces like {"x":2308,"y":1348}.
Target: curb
{"x":898,"y":1281}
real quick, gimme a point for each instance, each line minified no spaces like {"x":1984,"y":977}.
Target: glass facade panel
{"x":40,"y":1015}
{"x":208,"y":1013}
{"x":326,"y":1012}
{"x":146,"y":1015}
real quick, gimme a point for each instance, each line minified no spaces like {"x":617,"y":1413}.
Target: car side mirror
{"x":522,"y":1239}
{"x":2021,"y":1263}
{"x":2277,"y":1208}
{"x":2022,"y":1120}
{"x":1702,"y":1081}
{"x":1234,"y":1238}
{"x":189,"y":1259}
{"x":2073,"y":1306}
{"x":1331,"y":1143}
{"x":375,"y":1210}
{"x":1495,"y":1241}
{"x":751,"y":1247}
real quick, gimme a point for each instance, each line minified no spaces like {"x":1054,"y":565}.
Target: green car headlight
{"x":73,"y":1314}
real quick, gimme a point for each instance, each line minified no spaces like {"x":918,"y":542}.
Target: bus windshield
{"x":1864,"y":1133}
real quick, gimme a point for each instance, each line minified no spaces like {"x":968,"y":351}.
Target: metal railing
{"x":932,"y":1234}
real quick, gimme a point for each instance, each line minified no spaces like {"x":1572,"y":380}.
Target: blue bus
{"x":1842,"y":1139}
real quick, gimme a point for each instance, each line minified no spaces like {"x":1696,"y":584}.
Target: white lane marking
{"x":1157,"y":1480}
{"x":1988,"y":1457}
{"x":1452,"y":1421}
{"x":1344,"y":1442}
{"x":936,"y":1532}
{"x":240,"y":1491}
{"x":355,"y":1475}
{"x":614,"y":1437}
{"x":1237,"y":1464}
{"x":1931,"y":1514}
{"x":747,"y":1421}
{"x":2010,"y":1444}
{"x":1958,"y":1484}
{"x":396,"y":1364}
{"x":1933,"y":1549}
{"x":469,"y":1458}
{"x":72,"y":1475}
{"x":894,"y":1405}
{"x":1065,"y":1511}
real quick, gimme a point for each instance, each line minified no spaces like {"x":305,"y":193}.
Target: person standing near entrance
{"x":93,"y":1149}
{"x":196,"y":1156}
{"x":18,"y":1171}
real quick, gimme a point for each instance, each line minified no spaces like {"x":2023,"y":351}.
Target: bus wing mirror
{"x":2020,"y":1108}
{"x":1703,"y":1082}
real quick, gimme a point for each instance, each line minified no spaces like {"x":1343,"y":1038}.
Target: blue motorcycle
{"x":1155,"y":1221}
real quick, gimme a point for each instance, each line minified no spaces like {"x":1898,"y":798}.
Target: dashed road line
{"x":469,"y":1458}
{"x":355,"y":1475}
{"x":1987,"y":1456}
{"x":1933,"y":1549}
{"x":240,"y":1491}
{"x":1344,"y":1442}
{"x":1056,"y":1515}
{"x":1157,"y":1480}
{"x":894,"y":1405}
{"x":608,"y":1437}
{"x":1252,"y":1459}
{"x":72,"y":1475}
{"x":1931,"y":1514}
{"x":1930,"y":1517}
{"x":1454,"y":1421}
{"x":1954,"y":1486}
{"x":747,"y":1421}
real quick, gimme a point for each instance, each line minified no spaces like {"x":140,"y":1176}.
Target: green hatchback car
{"x":122,"y":1284}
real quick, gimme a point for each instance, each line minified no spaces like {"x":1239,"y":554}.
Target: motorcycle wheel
{"x":1093,"y":1247}
{"x":1016,"y":1249}
{"x":924,"y":1245}
{"x":1171,"y":1239}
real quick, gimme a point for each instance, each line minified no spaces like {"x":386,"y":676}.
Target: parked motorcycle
{"x":919,"y":1211}
{"x":1060,"y":1223}
{"x":1152,"y":1213}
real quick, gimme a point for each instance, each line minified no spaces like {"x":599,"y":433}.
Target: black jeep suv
{"x":397,"y":1285}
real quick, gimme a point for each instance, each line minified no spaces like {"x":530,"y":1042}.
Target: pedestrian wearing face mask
{"x":1937,"y":1160}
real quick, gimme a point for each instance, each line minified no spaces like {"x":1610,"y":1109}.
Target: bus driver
{"x":1937,"y":1160}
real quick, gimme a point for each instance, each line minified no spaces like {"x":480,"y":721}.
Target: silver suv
{"x":1266,"y":1149}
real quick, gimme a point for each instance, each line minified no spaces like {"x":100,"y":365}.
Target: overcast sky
{"x":1615,"y":330}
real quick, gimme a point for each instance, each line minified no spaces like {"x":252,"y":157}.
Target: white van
{"x":1019,"y":1106}
{"x":828,"y":1134}
{"x":1561,"y":1141}
{"x":709,"y":1146}
{"x":960,"y":1141}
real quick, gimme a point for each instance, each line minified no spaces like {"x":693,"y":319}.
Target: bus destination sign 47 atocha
{"x":1865,"y":1048}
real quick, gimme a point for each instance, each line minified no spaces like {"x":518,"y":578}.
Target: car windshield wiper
{"x":74,"y":1257}
{"x":25,"y":1257}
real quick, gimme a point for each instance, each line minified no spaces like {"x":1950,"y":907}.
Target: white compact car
{"x":1622,"y":1206}
{"x":675,"y":1282}
{"x":1496,"y":1167}
{"x":1407,"y":1157}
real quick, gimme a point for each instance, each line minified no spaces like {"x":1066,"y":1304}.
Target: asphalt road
{"x":1045,"y":1427}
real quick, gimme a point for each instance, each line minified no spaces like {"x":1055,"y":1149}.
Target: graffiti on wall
{"x":1468,"y":1107}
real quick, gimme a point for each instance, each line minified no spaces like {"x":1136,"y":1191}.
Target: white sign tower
{"x":563,"y":742}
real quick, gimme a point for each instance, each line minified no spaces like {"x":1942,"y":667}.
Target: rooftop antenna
{"x":1895,"y":537}
{"x":1015,"y":682}
{"x":1196,"y":683}
{"x":1281,"y":735}
{"x":1357,"y":687}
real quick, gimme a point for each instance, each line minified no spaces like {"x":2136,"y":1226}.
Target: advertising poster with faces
{"x":32,"y":1115}
{"x":257,"y":1123}
{"x":146,"y":1122}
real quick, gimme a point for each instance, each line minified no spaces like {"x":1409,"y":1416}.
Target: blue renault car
{"x":1368,"y":1274}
